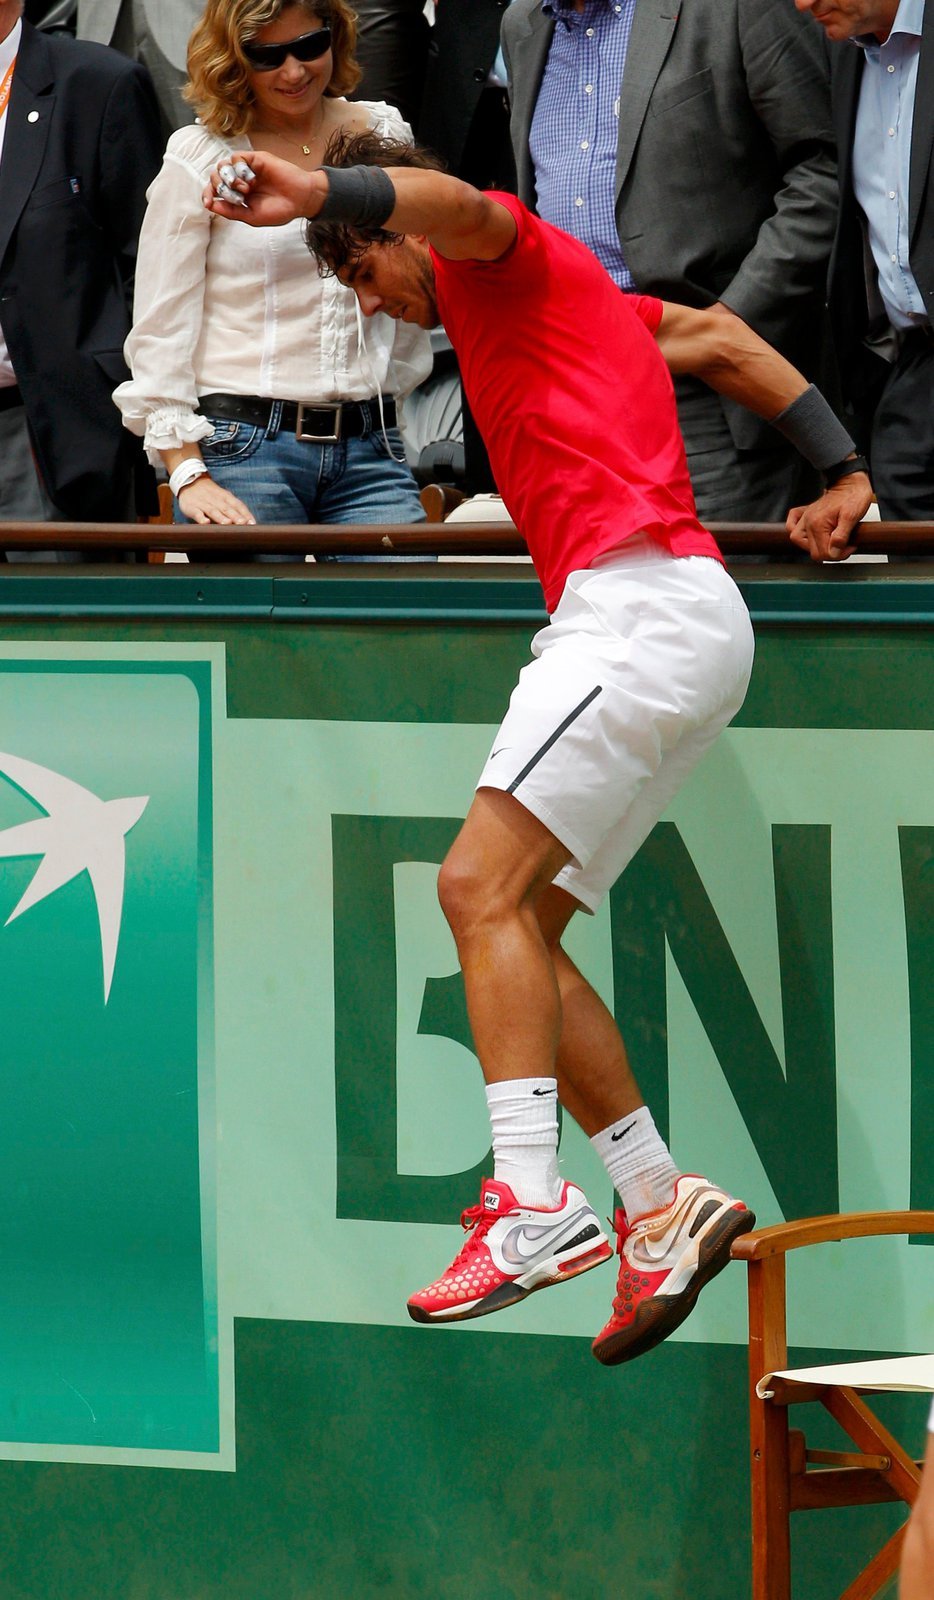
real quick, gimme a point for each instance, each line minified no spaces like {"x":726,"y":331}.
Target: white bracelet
{"x":185,"y":473}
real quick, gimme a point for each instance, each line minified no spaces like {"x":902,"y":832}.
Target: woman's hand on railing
{"x":205,"y":501}
{"x":824,"y":527}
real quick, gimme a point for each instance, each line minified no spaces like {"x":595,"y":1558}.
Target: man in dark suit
{"x":465,"y":120}
{"x":465,"y":117}
{"x":882,"y":269}
{"x":392,"y":47}
{"x":689,"y":143}
{"x":79,"y":144}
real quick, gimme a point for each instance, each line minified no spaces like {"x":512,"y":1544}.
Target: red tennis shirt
{"x":573,"y":399}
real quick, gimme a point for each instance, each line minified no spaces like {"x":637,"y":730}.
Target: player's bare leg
{"x":540,"y":1027}
{"x":595,"y":1081}
{"x":530,"y":1229}
{"x":489,"y":888}
{"x":674,"y":1230}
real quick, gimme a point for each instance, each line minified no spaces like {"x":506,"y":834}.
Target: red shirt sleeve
{"x":648,"y":309}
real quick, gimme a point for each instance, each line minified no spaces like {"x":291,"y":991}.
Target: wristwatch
{"x":832,"y":475}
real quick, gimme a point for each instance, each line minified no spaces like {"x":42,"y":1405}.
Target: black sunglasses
{"x":307,"y":47}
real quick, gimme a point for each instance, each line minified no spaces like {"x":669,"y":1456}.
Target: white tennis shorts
{"x":644,"y":662}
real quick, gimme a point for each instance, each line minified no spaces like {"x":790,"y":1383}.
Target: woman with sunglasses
{"x":255,"y":381}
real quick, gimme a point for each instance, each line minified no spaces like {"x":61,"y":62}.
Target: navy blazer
{"x":82,"y":144}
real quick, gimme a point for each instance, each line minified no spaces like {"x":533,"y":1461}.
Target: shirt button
{"x":895,"y":260}
{"x":891,"y":133}
{"x":585,"y":144}
{"x":588,"y":89}
{"x":891,"y":194}
{"x":579,"y":202}
{"x":590,"y":33}
{"x":890,"y":69}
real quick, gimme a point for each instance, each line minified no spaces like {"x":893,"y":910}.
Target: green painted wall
{"x":769,"y":955}
{"x":376,"y":1463}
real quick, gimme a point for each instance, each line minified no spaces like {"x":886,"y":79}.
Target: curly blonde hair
{"x":219,"y":73}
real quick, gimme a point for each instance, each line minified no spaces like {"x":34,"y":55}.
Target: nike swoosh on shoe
{"x":545,"y":1240}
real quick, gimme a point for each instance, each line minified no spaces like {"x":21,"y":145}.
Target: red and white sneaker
{"x":664,"y":1261}
{"x":511,"y":1251}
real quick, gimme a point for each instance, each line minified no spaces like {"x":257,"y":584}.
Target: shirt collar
{"x":564,"y":10}
{"x":909,"y":20}
{"x":10,"y":46}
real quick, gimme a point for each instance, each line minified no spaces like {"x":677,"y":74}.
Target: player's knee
{"x":456,"y":891}
{"x":467,"y":897}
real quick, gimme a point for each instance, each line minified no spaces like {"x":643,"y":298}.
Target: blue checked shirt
{"x":575,"y":128}
{"x":882,"y":156}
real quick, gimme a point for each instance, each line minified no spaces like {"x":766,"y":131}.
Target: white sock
{"x":639,"y":1163}
{"x":524,"y":1119}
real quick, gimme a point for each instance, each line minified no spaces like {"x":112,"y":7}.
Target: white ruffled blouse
{"x":221,"y":308}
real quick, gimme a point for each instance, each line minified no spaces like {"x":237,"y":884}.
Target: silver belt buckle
{"x":328,"y":414}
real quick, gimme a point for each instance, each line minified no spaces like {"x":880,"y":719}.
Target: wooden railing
{"x":428,"y":538}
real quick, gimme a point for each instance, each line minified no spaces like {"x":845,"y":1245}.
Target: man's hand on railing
{"x":824,"y":527}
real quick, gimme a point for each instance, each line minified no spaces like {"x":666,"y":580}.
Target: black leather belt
{"x":314,"y":424}
{"x":10,"y":397}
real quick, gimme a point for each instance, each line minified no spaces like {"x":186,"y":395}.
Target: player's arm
{"x":729,"y":356}
{"x":917,"y":1575}
{"x":460,"y":222}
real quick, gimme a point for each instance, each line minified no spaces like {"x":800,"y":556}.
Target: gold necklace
{"x":298,"y":143}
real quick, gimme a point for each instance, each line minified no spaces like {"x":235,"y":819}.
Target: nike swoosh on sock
{"x":617,"y":1136}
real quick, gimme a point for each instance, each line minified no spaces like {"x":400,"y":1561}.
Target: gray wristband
{"x":361,"y":196}
{"x":810,"y":425}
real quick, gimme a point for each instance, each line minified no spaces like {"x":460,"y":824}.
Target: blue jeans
{"x":286,"y":480}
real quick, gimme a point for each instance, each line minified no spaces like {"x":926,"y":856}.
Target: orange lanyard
{"x":6,"y":86}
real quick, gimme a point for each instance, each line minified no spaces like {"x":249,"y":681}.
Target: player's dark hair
{"x":340,"y":244}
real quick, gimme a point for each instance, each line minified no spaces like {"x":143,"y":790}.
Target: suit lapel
{"x":922,"y":128}
{"x":25,"y":140}
{"x":846,"y":76}
{"x":653,"y":28}
{"x":529,"y":54}
{"x":528,"y":57}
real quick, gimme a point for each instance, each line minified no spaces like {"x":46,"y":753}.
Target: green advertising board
{"x":243,"y":1113}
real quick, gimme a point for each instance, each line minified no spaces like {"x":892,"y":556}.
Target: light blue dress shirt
{"x":882,"y":156}
{"x":575,"y":128}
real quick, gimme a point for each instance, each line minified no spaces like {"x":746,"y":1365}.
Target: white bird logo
{"x":79,"y":833}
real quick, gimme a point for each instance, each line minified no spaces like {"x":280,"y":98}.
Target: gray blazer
{"x":170,"y":23}
{"x":725,"y":172}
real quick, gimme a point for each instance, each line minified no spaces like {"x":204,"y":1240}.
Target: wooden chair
{"x":786,"y":1475}
{"x":439,"y":500}
{"x":164,"y":518}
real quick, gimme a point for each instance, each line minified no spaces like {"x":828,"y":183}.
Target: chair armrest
{"x":787,"y":1236}
{"x":439,"y":500}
